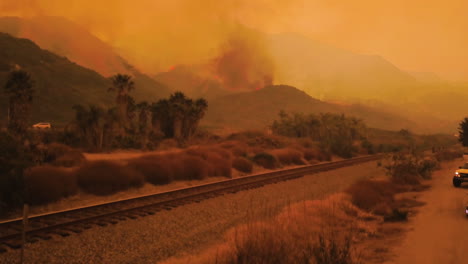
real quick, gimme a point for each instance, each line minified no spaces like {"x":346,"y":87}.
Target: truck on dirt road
{"x":461,"y":175}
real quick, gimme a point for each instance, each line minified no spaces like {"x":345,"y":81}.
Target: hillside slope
{"x":59,"y":83}
{"x":65,"y":38}
{"x":192,"y":80}
{"x":257,"y":109}
{"x":328,"y":73}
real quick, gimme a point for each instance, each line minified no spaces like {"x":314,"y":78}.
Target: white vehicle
{"x":42,"y":126}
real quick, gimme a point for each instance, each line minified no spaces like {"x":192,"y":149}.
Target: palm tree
{"x":90,"y":123}
{"x":463,"y":132}
{"x":178,"y":116}
{"x":19,"y":88}
{"x":143,"y":116}
{"x":179,"y":105}
{"x":111,"y":120}
{"x":196,"y":112}
{"x":160,"y":118}
{"x":80,"y":121}
{"x":96,"y":125}
{"x":143,"y":127}
{"x":122,"y":85}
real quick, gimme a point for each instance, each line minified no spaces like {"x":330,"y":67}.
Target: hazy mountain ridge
{"x":59,"y":83}
{"x":332,"y":73}
{"x":369,"y":85}
{"x":257,"y":109}
{"x":193,"y":81}
{"x":66,"y":38}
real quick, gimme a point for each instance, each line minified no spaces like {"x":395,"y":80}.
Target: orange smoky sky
{"x":417,"y":35}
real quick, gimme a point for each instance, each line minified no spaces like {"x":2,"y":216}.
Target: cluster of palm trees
{"x":335,"y":132}
{"x":178,"y":117}
{"x":131,"y":124}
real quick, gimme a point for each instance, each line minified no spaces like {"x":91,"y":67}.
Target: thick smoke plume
{"x":244,"y":62}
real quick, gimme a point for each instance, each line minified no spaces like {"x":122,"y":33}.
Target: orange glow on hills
{"x":420,"y":35}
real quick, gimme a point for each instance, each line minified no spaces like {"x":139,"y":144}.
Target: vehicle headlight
{"x":457,"y":174}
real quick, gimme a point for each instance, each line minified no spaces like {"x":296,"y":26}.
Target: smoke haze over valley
{"x":233,"y":131}
{"x":222,"y":47}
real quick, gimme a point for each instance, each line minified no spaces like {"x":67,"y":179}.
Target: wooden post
{"x":23,"y":235}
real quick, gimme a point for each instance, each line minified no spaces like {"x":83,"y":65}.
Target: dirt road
{"x":439,"y":232}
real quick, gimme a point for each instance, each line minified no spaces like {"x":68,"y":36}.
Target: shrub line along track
{"x":65,"y":222}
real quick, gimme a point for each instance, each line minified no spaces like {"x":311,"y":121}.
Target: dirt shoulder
{"x":438,"y":231}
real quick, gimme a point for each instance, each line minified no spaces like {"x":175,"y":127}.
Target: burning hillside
{"x":244,"y":62}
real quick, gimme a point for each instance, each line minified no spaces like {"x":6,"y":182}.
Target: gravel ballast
{"x":190,"y":228}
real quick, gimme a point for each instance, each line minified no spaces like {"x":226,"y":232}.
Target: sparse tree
{"x":143,"y":121}
{"x":334,"y":132}
{"x":90,"y":124}
{"x":195,"y":113}
{"x":160,"y":117}
{"x":19,"y":88}
{"x":143,"y":116}
{"x":179,"y":104}
{"x":463,"y":132}
{"x":111,"y":123}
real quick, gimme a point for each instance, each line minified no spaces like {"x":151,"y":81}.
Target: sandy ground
{"x":439,"y":231}
{"x":189,"y":228}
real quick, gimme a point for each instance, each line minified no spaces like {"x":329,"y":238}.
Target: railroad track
{"x":65,"y":223}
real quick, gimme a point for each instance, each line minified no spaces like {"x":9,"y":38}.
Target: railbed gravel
{"x":187,"y":229}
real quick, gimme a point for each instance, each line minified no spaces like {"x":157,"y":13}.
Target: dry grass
{"x":106,"y":177}
{"x":409,"y":169}
{"x":62,"y":155}
{"x":448,"y":154}
{"x":266,"y":160}
{"x":186,"y":229}
{"x":220,"y":167}
{"x":192,"y":168}
{"x":216,"y":160}
{"x":319,"y":231}
{"x":311,"y":154}
{"x":242,"y":164}
{"x":259,"y":139}
{"x":237,"y":148}
{"x":372,"y":195}
{"x":288,"y":156}
{"x":168,"y":144}
{"x":378,"y":197}
{"x":156,"y":169}
{"x":46,"y":184}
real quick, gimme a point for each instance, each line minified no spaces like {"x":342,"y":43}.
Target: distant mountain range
{"x":333,"y":74}
{"x":330,"y":73}
{"x":59,"y":83}
{"x":67,"y":39}
{"x":70,"y":66}
{"x":193,"y":80}
{"x":258,"y":109}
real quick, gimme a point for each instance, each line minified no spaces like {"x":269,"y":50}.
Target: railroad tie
{"x":113,"y":220}
{"x":76,"y":230}
{"x":61,"y":233}
{"x":102,"y":223}
{"x":132,"y":216}
{"x":14,"y":243}
{"x":43,"y":236}
{"x":31,"y":240}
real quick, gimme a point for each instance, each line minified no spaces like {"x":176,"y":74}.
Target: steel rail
{"x":75,"y":220}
